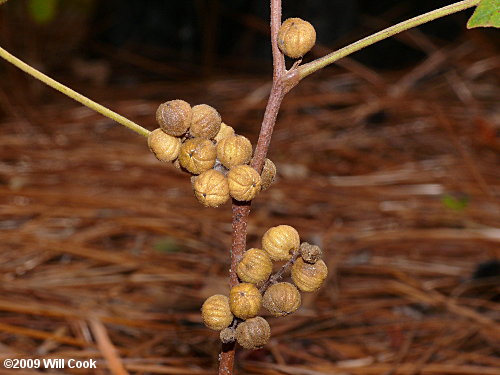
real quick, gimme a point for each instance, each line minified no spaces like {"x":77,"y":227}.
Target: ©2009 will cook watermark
{"x":49,"y":363}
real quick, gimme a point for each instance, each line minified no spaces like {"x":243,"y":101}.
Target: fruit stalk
{"x":73,"y":94}
{"x":275,"y":277}
{"x":314,"y":66}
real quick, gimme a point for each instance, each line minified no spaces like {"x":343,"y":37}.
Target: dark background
{"x":155,"y":39}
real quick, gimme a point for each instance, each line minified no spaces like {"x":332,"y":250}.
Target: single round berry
{"x":205,"y":122}
{"x":165,"y":147}
{"x":224,"y":132}
{"x":280,"y":242}
{"x":227,"y":335}
{"x":216,"y":313}
{"x":244,"y":182}
{"x":268,"y":174}
{"x":211,"y":188}
{"x":255,"y":266}
{"x":234,"y":150}
{"x":174,"y":117}
{"x":253,"y":333}
{"x":309,"y":277}
{"x":281,"y":299}
{"x":296,"y":37}
{"x":310,"y":253}
{"x":245,"y":300}
{"x":197,"y":155}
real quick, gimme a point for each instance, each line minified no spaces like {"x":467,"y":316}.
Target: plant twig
{"x":278,"y":275}
{"x":313,"y":66}
{"x":73,"y":94}
{"x":278,"y":58}
{"x":283,"y":81}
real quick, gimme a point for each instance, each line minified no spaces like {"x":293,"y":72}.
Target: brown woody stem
{"x":283,"y":81}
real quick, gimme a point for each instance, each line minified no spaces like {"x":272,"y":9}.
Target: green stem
{"x":313,"y":66}
{"x":73,"y":94}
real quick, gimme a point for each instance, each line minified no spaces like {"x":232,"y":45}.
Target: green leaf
{"x":42,"y":11}
{"x":487,"y":14}
{"x":167,"y":245}
{"x":457,"y":203}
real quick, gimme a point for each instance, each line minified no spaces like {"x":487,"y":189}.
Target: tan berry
{"x":227,"y":335}
{"x":309,"y":277}
{"x":255,"y":266}
{"x":211,"y":188}
{"x":224,"y":132}
{"x":253,"y":333}
{"x":234,"y":150}
{"x":280,"y":242}
{"x":164,"y":146}
{"x":245,"y":300}
{"x":268,"y":174}
{"x":174,"y":117}
{"x":296,"y":37}
{"x":197,"y":155}
{"x":216,"y":313}
{"x":205,"y":122}
{"x":310,"y":253}
{"x":281,"y":299}
{"x":244,"y":183}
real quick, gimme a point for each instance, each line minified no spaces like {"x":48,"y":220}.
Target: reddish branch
{"x":283,"y":81}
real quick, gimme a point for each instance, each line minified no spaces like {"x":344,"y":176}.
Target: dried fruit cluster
{"x":196,"y":140}
{"x":236,"y":316}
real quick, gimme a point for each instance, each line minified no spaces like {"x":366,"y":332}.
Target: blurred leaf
{"x":167,"y":245}
{"x":487,"y":14}
{"x":3,"y":1}
{"x":42,"y":11}
{"x":454,"y":202}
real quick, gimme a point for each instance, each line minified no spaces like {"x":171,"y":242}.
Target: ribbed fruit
{"x":216,"y":313}
{"x":174,"y":117}
{"x":234,"y":150}
{"x":245,"y":300}
{"x":296,"y":37}
{"x":211,"y":188}
{"x":309,"y":277}
{"x":244,"y":183}
{"x":164,"y":146}
{"x":253,"y":333}
{"x":197,"y":155}
{"x":281,"y":299}
{"x":255,"y":266}
{"x":280,"y":242}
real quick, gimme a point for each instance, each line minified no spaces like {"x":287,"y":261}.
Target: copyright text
{"x":49,"y":363}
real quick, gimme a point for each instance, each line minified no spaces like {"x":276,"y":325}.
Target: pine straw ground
{"x":107,"y":255}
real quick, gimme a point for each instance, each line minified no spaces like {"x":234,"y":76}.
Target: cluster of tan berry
{"x":195,"y":139}
{"x":236,"y":316}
